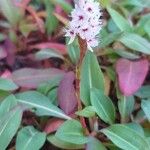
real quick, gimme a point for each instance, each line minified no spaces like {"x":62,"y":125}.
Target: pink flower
{"x":85,"y":22}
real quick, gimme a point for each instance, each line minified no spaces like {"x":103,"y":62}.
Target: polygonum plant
{"x":72,"y":96}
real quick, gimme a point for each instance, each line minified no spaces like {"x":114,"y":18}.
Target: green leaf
{"x":64,"y":145}
{"x":9,"y":125}
{"x":30,"y":138}
{"x":110,"y":38}
{"x":119,"y":20}
{"x":104,"y":3}
{"x":47,"y":53}
{"x":136,"y":127}
{"x":51,"y":20}
{"x":74,"y":52}
{"x":71,"y":131}
{"x":103,"y":106}
{"x":94,"y":144}
{"x":126,"y":138}
{"x":6,"y":105}
{"x":146,"y":27}
{"x":126,"y":54}
{"x":42,"y":104}
{"x":10,"y":11}
{"x":91,"y":77}
{"x":146,"y":108}
{"x":126,"y":106}
{"x":88,"y":112}
{"x":7,"y":85}
{"x":143,"y":92}
{"x":135,"y":42}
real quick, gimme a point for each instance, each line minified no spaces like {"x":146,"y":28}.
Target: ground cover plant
{"x":74,"y":74}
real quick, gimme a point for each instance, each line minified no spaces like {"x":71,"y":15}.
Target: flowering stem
{"x":83,"y":48}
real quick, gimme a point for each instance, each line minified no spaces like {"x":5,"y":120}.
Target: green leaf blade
{"x":29,"y":138}
{"x":91,"y":77}
{"x":125,"y":138}
{"x":103,"y":106}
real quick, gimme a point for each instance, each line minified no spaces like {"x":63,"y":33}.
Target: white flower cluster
{"x":85,"y":22}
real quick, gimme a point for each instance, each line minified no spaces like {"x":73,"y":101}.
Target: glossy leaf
{"x":146,"y":108}
{"x":9,"y":125}
{"x":88,"y":111}
{"x":64,"y":145}
{"x":66,"y":93}
{"x":71,"y":131}
{"x":103,"y":106}
{"x":32,"y":78}
{"x":131,"y":75}
{"x":143,"y":92}
{"x":7,"y":104}
{"x":47,"y":53}
{"x":119,"y":20}
{"x":30,"y":138}
{"x":74,"y":52}
{"x":7,"y":85}
{"x":126,"y":106}
{"x":44,"y":107}
{"x":126,"y":138}
{"x":91,"y":77}
{"x":136,"y":42}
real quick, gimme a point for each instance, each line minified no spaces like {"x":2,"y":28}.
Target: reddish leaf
{"x":3,"y":53}
{"x":32,"y":78}
{"x":131,"y":75}
{"x":66,"y":94}
{"x":6,"y":74}
{"x":53,"y":125}
{"x":10,"y":48}
{"x":58,"y":47}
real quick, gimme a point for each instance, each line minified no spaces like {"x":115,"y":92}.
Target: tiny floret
{"x":85,"y":22}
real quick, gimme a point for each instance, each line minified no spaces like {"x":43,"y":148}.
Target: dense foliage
{"x":59,"y":96}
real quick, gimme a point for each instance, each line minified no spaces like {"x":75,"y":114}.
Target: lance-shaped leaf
{"x":66,"y":93}
{"x":32,"y":78}
{"x":71,"y":131}
{"x":10,"y":11}
{"x":103,"y":106}
{"x":7,"y":104}
{"x":131,"y":75}
{"x":136,"y":42}
{"x":7,"y":85}
{"x":91,"y":77}
{"x":30,"y":138}
{"x":126,"y":138}
{"x":62,"y":144}
{"x":42,"y":104}
{"x":9,"y":125}
{"x":119,"y":20}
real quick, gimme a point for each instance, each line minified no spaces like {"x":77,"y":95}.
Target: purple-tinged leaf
{"x":66,"y":94}
{"x":32,"y":78}
{"x":10,"y":49}
{"x":131,"y":75}
{"x":3,"y":53}
{"x":52,"y":125}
